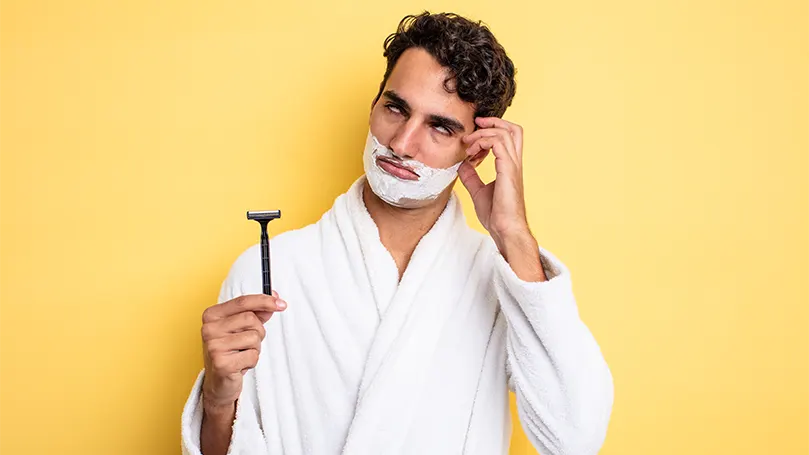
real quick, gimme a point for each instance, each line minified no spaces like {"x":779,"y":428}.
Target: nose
{"x":405,"y":142}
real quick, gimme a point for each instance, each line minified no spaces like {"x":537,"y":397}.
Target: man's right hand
{"x":232,"y":333}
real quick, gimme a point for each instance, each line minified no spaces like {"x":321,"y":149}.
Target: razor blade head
{"x":264,"y":215}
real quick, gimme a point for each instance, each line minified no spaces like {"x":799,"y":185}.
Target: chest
{"x":401,"y":250}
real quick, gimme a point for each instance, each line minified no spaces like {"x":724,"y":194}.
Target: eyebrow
{"x":438,"y":119}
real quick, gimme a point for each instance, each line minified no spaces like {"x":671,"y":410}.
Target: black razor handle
{"x":265,"y":260}
{"x":263,"y":217}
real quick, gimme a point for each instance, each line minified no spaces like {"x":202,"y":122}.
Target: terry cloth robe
{"x":363,"y":364}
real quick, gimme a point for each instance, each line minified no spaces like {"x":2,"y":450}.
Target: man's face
{"x":417,"y":118}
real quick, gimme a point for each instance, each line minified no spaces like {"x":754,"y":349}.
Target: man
{"x":405,"y":328}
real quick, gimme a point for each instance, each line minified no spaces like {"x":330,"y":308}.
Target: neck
{"x":400,"y":230}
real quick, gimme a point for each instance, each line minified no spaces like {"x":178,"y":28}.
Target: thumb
{"x":470,"y":178}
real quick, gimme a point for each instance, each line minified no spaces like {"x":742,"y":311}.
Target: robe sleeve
{"x":248,"y":435}
{"x":563,"y":386}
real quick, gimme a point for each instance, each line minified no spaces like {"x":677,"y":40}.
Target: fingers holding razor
{"x":259,"y":303}
{"x":232,"y":333}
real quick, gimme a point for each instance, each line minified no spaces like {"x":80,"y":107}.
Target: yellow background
{"x":665,"y":161}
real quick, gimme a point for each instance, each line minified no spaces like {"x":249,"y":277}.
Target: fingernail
{"x":281,"y":304}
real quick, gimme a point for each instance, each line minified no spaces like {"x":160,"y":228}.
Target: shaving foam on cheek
{"x":404,"y":193}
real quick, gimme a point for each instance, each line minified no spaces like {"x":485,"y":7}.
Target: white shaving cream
{"x":399,"y":192}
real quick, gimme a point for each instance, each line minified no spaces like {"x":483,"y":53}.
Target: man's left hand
{"x":500,"y":204}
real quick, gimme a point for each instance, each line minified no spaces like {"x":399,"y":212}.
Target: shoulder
{"x":489,"y":258}
{"x":476,"y":247}
{"x":480,"y":242}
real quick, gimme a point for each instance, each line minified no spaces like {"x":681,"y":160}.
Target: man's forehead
{"x":419,"y":79}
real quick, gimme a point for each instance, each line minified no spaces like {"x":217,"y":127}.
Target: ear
{"x":478,"y":158}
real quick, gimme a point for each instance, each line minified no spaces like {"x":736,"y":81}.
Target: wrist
{"x":219,"y":411}
{"x":524,"y":246}
{"x":515,"y":239}
{"x":521,"y":251}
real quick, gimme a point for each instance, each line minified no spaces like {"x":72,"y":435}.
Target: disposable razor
{"x":263,"y":217}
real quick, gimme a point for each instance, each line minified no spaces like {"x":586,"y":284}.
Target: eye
{"x":393,"y":108}
{"x":443,"y":129}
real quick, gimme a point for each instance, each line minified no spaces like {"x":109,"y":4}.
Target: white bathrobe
{"x":362,"y":364}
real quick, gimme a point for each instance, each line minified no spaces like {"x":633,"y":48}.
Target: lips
{"x":395,"y":169}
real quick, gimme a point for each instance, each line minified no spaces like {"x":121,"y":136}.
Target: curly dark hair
{"x":480,"y":71}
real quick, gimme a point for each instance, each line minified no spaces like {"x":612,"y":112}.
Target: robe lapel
{"x":403,"y":302}
{"x":383,"y":275}
{"x":408,"y":333}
